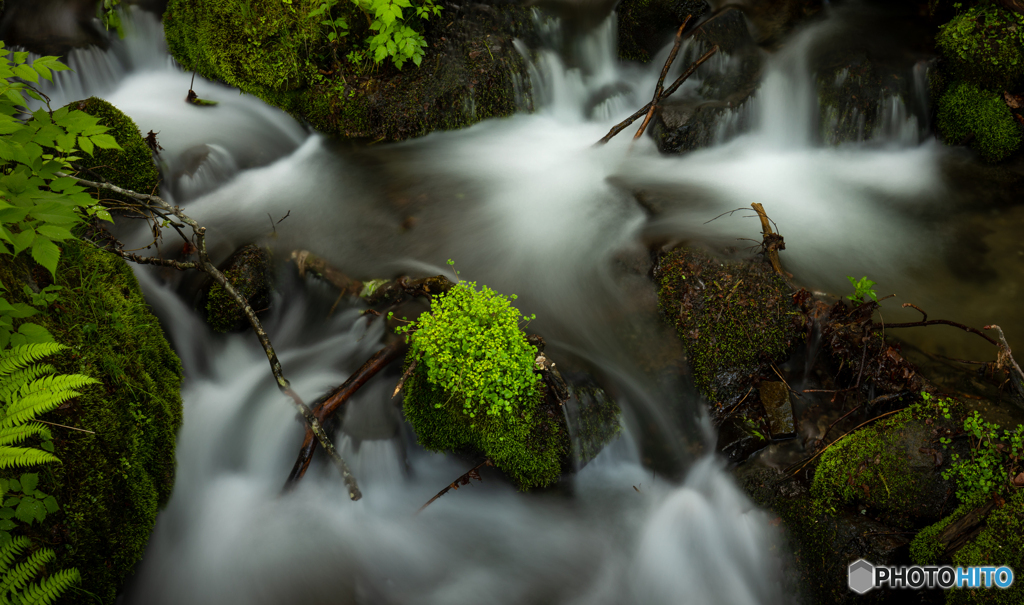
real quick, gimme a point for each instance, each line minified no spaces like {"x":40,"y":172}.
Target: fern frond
{"x":57,"y":383}
{"x":9,"y":551}
{"x":50,"y":588}
{"x":13,"y":383}
{"x":18,"y":578}
{"x":42,"y":395}
{"x":24,"y":456}
{"x":21,"y":356}
{"x":22,"y":432}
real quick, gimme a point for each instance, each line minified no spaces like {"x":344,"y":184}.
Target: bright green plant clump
{"x":862,"y":287}
{"x":985,"y":44}
{"x":995,"y":456}
{"x":474,"y":386}
{"x":967,"y":113}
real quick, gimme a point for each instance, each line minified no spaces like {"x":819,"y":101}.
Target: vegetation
{"x":985,"y":45}
{"x":130,"y":164}
{"x":862,"y":287}
{"x":732,"y":316}
{"x":474,"y":386}
{"x":317,"y":60}
{"x":119,"y":468}
{"x":972,"y":115}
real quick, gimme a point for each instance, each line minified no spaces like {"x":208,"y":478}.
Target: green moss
{"x":997,"y":545}
{"x":248,"y":271}
{"x":529,"y":446}
{"x":131,"y":167}
{"x":110,"y":483}
{"x":274,"y":51}
{"x":926,"y":548}
{"x":969,"y":113}
{"x":985,"y":46}
{"x":733,"y":316}
{"x":474,"y":386}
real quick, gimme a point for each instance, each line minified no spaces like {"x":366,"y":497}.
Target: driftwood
{"x":162,"y":209}
{"x":334,"y":400}
{"x":668,"y":92}
{"x":771,"y":241}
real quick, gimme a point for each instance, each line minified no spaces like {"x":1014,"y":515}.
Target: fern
{"x":19,"y":357}
{"x":15,"y":585}
{"x":29,"y":388}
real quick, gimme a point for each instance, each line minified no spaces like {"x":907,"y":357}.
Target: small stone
{"x":775,"y":397}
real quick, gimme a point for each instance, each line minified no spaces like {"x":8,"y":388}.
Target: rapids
{"x":525,"y":205}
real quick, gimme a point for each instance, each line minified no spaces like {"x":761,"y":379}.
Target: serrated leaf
{"x":23,"y":240}
{"x":7,"y":524}
{"x":46,"y":253}
{"x":33,"y":334}
{"x":29,"y":481}
{"x":55,"y":232}
{"x":105,"y":141}
{"x":85,"y":144}
{"x":30,"y":510}
{"x":51,"y":504}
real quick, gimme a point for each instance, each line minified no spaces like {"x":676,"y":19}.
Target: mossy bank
{"x":277,"y":52}
{"x":113,"y":479}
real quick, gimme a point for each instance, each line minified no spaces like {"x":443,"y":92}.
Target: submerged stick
{"x":209,"y":268}
{"x":462,"y":480}
{"x":333,"y":401}
{"x":661,"y":80}
{"x":668,"y":92}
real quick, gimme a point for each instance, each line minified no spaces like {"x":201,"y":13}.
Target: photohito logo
{"x":862,"y":576}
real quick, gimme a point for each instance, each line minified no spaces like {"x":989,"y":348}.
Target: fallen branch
{"x":204,"y":265}
{"x":668,"y":92}
{"x":1006,"y":360}
{"x":661,"y":80}
{"x":332,"y":402}
{"x":462,"y":480}
{"x":770,"y":241}
{"x":933,"y":322}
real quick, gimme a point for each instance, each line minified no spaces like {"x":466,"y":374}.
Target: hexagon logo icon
{"x":861,"y":576}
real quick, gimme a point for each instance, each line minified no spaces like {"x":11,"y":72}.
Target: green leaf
{"x":15,"y":486}
{"x":33,"y":334}
{"x":55,"y":232}
{"x":7,"y":524}
{"x":85,"y":144}
{"x":30,"y":510}
{"x":105,"y":141}
{"x":23,"y":240}
{"x":29,"y":481}
{"x":46,"y":253}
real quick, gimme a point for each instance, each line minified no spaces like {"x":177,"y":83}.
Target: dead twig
{"x":771,"y":241}
{"x":462,"y":480}
{"x":668,"y":92}
{"x":934,"y":322}
{"x":330,"y":403}
{"x":205,"y":265}
{"x":661,"y":80}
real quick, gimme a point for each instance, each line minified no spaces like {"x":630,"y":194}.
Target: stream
{"x":525,"y":205}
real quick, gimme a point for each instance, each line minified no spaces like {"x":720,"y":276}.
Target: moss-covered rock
{"x":111,"y":482}
{"x":132,"y":166}
{"x":968,"y":114}
{"x":276,"y":52}
{"x":646,"y":25}
{"x":735,"y":318}
{"x":892,"y":467}
{"x":984,"y":45}
{"x":249,"y":271}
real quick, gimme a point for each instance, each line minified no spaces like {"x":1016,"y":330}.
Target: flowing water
{"x":526,"y":205}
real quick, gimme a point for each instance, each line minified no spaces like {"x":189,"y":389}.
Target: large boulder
{"x":114,"y":478}
{"x":277,"y":52}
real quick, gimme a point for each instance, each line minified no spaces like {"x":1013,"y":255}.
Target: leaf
{"x":7,"y":524}
{"x":85,"y":144}
{"x":105,"y":141}
{"x":33,"y":334}
{"x":46,"y":253}
{"x":55,"y":232}
{"x":51,"y":504}
{"x":30,"y":510}
{"x":23,"y":240}
{"x":29,"y":481}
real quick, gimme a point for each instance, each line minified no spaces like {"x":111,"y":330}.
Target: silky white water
{"x":525,"y":205}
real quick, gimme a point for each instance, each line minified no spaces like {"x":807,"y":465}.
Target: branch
{"x":332,"y":402}
{"x":462,"y":480}
{"x":661,"y":80}
{"x":668,"y":92}
{"x":204,"y":264}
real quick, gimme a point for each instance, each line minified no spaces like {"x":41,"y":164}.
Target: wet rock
{"x":775,"y":398}
{"x":684,"y":124}
{"x":250,"y":271}
{"x":471,"y":70}
{"x":773,"y":20}
{"x":824,"y":541}
{"x":51,"y":27}
{"x":734,"y":318}
{"x":1012,"y":5}
{"x":645,"y":26}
